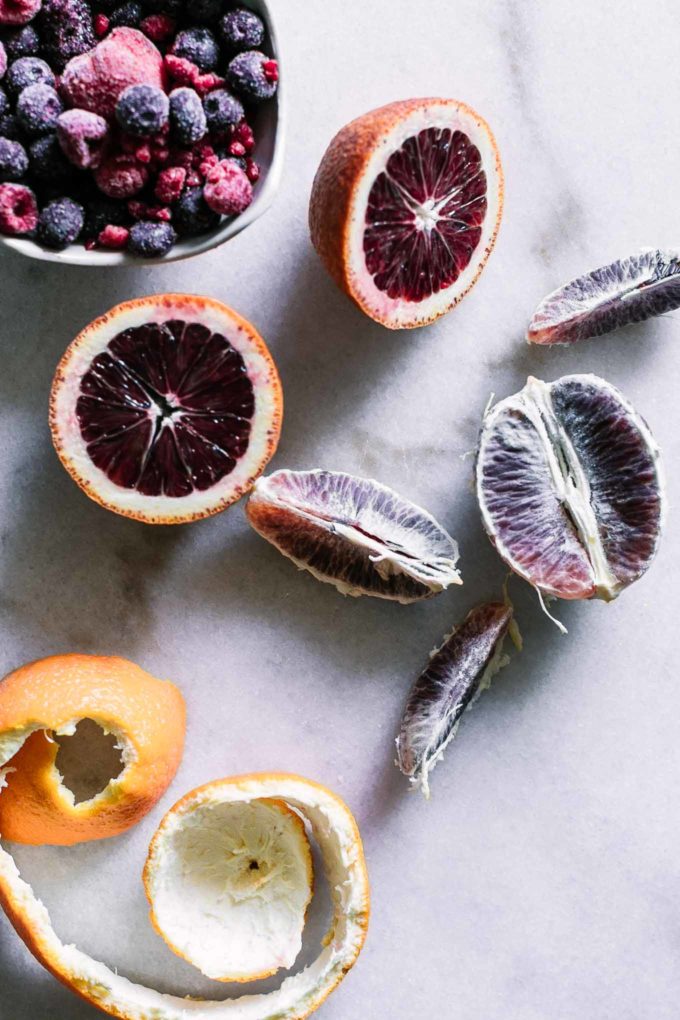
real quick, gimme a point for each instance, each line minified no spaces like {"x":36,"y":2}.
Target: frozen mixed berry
{"x":18,"y":210}
{"x":199,"y":46}
{"x":18,"y":12}
{"x":158,"y":27}
{"x":227,"y":189}
{"x":101,"y":25}
{"x":150,"y":239}
{"x":129,"y":14}
{"x":22,"y":42}
{"x":102,"y":212}
{"x":192,"y":215}
{"x":82,"y":136}
{"x":3,"y":61}
{"x":66,"y":30}
{"x":188,"y":122}
{"x":28,"y":71}
{"x":222,"y":111}
{"x":13,"y":160}
{"x":113,"y":237}
{"x":60,"y":223}
{"x":170,"y":184}
{"x":254,"y":76}
{"x":242,"y":30}
{"x":38,"y":108}
{"x":142,"y":110}
{"x":121,"y":176}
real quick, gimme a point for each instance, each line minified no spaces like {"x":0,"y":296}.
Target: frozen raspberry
{"x":242,"y":30}
{"x":60,"y":223}
{"x":170,"y":184}
{"x":28,"y":71}
{"x":250,"y":74}
{"x":121,"y":176}
{"x":49,"y":165}
{"x":13,"y":160}
{"x":253,"y":171}
{"x":158,"y":27}
{"x":142,"y":110}
{"x":18,"y":210}
{"x":113,"y":237}
{"x":144,"y":211}
{"x":101,"y":25}
{"x":3,"y":61}
{"x":95,"y":80}
{"x":204,"y":83}
{"x":22,"y":42}
{"x":222,"y":110}
{"x":192,"y":216}
{"x":199,"y":46}
{"x":181,"y":70}
{"x":227,"y":189}
{"x":237,"y":149}
{"x":244,"y":135}
{"x":38,"y":108}
{"x":151,"y":240}
{"x":66,"y":30}
{"x":18,"y":12}
{"x":82,"y":136}
{"x":187,"y":117}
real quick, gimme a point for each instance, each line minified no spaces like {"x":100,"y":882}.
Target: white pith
{"x":434,"y":114}
{"x":229,"y":887}
{"x":73,"y":448}
{"x":568,"y":478}
{"x":335,"y":832}
{"x":437,"y":574}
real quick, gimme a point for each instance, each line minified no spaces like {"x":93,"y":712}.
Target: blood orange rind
{"x":52,"y":695}
{"x":337,"y":835}
{"x":355,"y":534}
{"x":571,"y":487}
{"x":354,"y":176}
{"x":175,"y":446}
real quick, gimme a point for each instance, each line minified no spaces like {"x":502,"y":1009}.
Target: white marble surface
{"x":542,"y":879}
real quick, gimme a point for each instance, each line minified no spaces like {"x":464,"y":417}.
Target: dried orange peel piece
{"x":146,"y":715}
{"x":337,"y":835}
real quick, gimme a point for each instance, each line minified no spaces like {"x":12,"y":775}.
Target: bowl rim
{"x":77,"y":255}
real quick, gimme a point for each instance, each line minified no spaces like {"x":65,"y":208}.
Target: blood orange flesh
{"x":167,"y":408}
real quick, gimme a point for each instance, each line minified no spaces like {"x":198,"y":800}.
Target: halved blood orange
{"x":167,"y":408}
{"x":406,"y":206}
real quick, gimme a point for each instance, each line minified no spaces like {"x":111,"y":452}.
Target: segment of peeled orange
{"x":50,"y":697}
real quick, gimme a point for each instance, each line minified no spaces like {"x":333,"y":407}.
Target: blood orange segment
{"x":570,"y":485}
{"x":406,"y":206}
{"x":167,"y":408}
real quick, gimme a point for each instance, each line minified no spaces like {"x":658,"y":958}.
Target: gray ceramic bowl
{"x":269,"y":126}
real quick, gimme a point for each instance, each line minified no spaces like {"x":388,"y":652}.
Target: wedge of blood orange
{"x":167,"y":408}
{"x":406,"y":206}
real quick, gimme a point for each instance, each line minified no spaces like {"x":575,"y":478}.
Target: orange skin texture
{"x":176,"y":304}
{"x":337,"y":179}
{"x":117,"y":694}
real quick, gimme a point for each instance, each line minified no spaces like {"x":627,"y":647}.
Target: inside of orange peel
{"x":258,"y":801}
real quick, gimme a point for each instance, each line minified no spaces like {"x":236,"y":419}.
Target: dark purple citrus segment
{"x":425,"y":214}
{"x":621,"y":469}
{"x":167,"y":408}
{"x":526,"y":512}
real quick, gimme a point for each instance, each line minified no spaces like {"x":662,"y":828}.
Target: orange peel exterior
{"x":147,"y":715}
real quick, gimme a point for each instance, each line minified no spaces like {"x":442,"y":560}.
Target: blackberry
{"x":60,"y":223}
{"x":188,"y":122}
{"x":38,"y":107}
{"x":142,"y":110}
{"x":249,"y":76}
{"x":206,"y":11}
{"x":66,"y":30}
{"x":199,"y":46}
{"x":28,"y":71}
{"x":242,"y":30}
{"x":13,"y":160}
{"x":22,"y":42}
{"x":100,"y":212}
{"x":192,"y":215}
{"x":222,"y":111}
{"x":150,"y":239}
{"x":48,"y":164}
{"x":129,"y":14}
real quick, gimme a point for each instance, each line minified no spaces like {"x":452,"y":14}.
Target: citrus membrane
{"x":229,"y":885}
{"x":406,"y":206}
{"x":337,"y":836}
{"x":455,"y":676}
{"x":354,"y":533}
{"x":50,"y":697}
{"x":570,"y":485}
{"x":166,"y":408}
{"x":626,"y":291}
